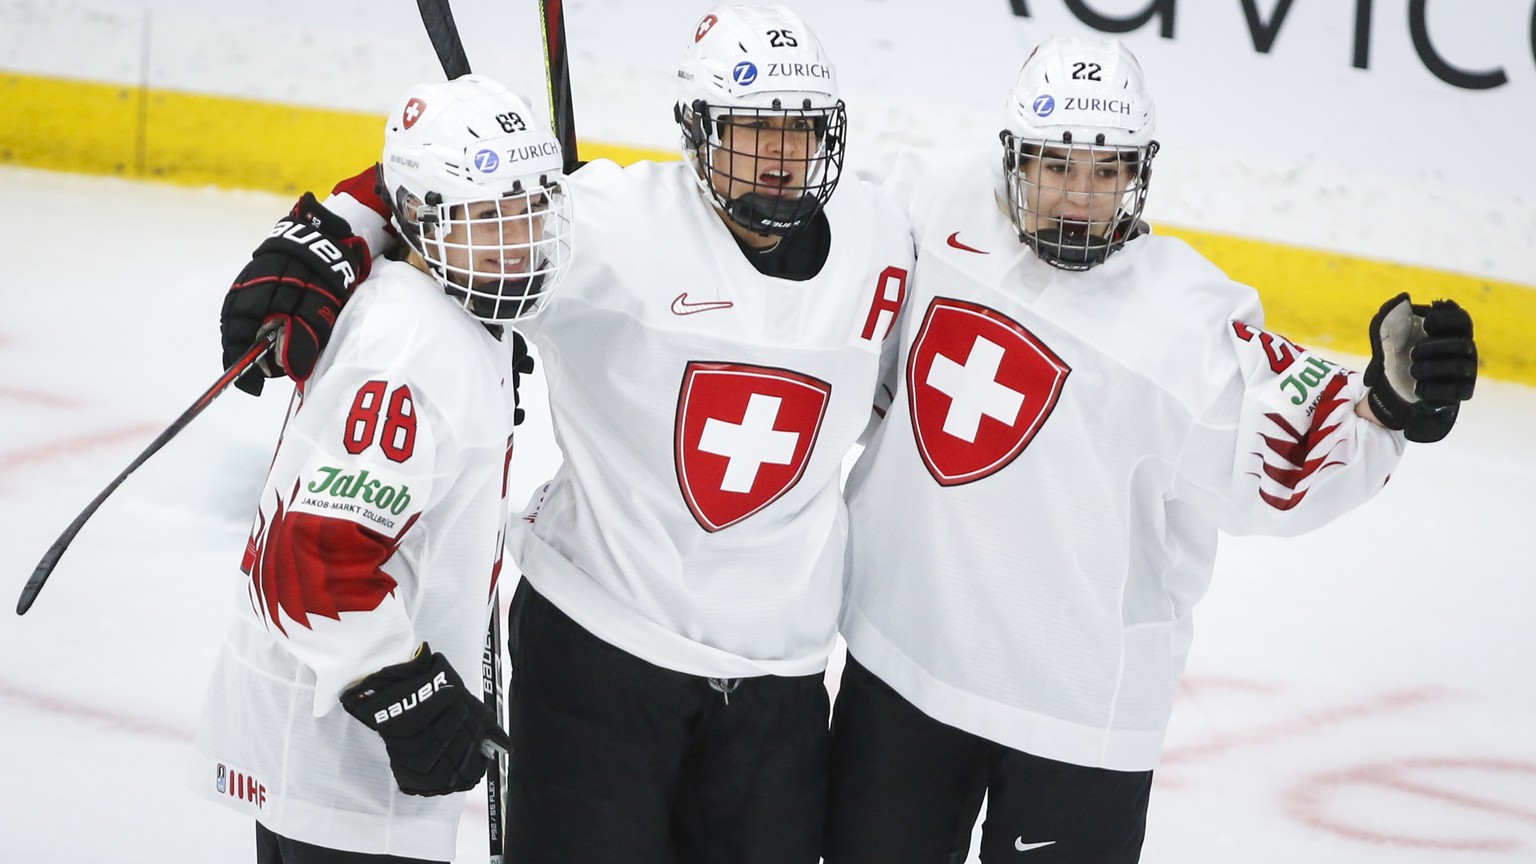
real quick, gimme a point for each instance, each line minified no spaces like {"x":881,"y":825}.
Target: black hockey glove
{"x":435,"y":731}
{"x":522,"y":364}
{"x":300,"y":275}
{"x":1423,"y":366}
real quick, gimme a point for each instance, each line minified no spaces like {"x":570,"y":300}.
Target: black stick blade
{"x":50,"y":559}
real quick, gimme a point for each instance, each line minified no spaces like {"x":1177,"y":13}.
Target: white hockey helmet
{"x":1078,"y":102}
{"x":474,"y":180}
{"x":761,"y":68}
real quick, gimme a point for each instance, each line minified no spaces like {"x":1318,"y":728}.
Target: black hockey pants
{"x":906,"y":789}
{"x":619,"y":760}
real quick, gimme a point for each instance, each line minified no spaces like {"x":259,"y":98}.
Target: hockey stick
{"x":438,"y":18}
{"x":496,"y":777}
{"x":557,"y":74}
{"x":264,"y":343}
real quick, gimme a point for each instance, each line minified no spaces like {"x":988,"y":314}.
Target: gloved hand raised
{"x":300,"y":275}
{"x":436,"y":732}
{"x":1423,"y":366}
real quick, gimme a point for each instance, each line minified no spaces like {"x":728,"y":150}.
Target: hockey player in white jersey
{"x":337,"y":716}
{"x":1075,"y":412}
{"x":710,"y":359}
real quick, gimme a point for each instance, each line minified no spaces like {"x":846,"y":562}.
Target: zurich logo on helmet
{"x":1043,"y":106}
{"x":487,"y":160}
{"x":744,"y":73}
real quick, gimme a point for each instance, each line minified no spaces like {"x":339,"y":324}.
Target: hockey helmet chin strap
{"x":775,"y":217}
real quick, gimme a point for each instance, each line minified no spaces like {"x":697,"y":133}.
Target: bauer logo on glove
{"x":435,"y":732}
{"x":311,"y":238}
{"x":438,"y":682}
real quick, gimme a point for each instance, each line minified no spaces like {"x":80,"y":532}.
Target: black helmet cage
{"x":704,"y":128}
{"x":1084,"y":245}
{"x":502,"y":298}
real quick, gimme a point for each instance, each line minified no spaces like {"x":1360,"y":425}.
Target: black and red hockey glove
{"x":436,"y":732}
{"x":1423,"y":366}
{"x":299,"y":276}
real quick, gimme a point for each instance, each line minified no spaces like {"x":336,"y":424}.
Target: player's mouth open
{"x":774,"y":181}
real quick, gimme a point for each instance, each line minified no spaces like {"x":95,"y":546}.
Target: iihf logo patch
{"x":745,"y":73}
{"x":1043,"y":106}
{"x":241,"y":786}
{"x":486,"y":161}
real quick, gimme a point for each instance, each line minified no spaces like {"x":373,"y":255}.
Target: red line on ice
{"x":1311,"y":802}
{"x":73,"y":446}
{"x":36,"y":397}
{"x":80,"y":711}
{"x":1384,"y":704}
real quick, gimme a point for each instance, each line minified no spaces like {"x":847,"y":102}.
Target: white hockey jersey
{"x":381,"y":526}
{"x":1037,"y":516}
{"x":704,"y":411}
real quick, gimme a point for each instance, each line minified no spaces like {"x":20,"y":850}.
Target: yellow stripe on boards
{"x":591,"y":150}
{"x":1320,"y":299}
{"x":1326,"y":299}
{"x":257,"y":145}
{"x":183,"y":138}
{"x":69,"y":125}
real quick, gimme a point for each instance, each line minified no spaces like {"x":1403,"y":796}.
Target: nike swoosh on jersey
{"x":954,"y":240}
{"x":1020,"y":845}
{"x":681,"y":306}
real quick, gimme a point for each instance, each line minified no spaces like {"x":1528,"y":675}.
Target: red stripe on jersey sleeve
{"x":365,"y":188}
{"x":1300,"y":450}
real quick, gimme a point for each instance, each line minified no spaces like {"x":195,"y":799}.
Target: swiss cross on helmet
{"x":473,"y":178}
{"x":760,"y":117}
{"x":1077,"y":150}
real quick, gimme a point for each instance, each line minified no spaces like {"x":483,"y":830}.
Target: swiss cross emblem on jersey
{"x":743,"y":436}
{"x":979,"y":387}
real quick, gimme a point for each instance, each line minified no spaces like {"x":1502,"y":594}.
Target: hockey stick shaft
{"x":44,"y":569}
{"x":496,"y":775}
{"x":444,"y":33}
{"x":557,"y":74}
